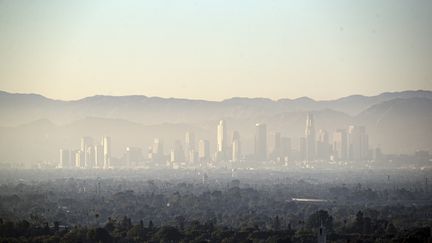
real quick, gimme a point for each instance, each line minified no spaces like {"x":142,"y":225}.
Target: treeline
{"x":363,"y":229}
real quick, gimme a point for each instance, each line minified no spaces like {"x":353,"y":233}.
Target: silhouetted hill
{"x":23,"y":108}
{"x":400,"y":125}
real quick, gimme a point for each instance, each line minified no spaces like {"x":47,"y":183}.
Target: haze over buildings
{"x":349,"y":147}
{"x":289,"y":129}
{"x":215,"y":121}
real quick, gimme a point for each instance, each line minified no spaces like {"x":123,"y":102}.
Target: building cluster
{"x":349,"y":144}
{"x":90,"y":154}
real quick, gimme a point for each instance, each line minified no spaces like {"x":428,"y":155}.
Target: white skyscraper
{"x":221,"y":153}
{"x":88,"y":151}
{"x":65,"y":158}
{"x":107,"y":152}
{"x":190,"y":140}
{"x":310,"y":138}
{"x":221,"y":136}
{"x":90,"y":157}
{"x":79,"y":159}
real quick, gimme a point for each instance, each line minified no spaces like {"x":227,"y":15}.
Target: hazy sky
{"x":215,"y":49}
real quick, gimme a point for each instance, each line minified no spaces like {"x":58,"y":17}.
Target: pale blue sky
{"x":215,"y":49}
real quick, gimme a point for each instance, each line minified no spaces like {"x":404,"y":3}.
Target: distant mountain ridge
{"x":23,"y":108}
{"x":396,"y":122}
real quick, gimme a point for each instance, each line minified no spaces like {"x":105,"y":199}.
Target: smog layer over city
{"x":216,"y":121}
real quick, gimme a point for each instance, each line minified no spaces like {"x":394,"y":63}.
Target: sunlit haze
{"x":229,"y":121}
{"x":215,"y":49}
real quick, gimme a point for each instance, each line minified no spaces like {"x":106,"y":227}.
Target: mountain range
{"x":397,"y":122}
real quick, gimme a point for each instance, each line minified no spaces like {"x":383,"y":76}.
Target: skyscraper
{"x":260,"y":141}
{"x":236,"y":149}
{"x":221,"y":136}
{"x":88,"y":151}
{"x":221,"y":141}
{"x":204,"y":150}
{"x":340,"y":145}
{"x":189,"y":145}
{"x":310,"y":138}
{"x":323,"y":146}
{"x":79,"y":159}
{"x":90,"y":157}
{"x":282,"y":148}
{"x":177,"y":153}
{"x":358,"y":143}
{"x":107,"y":152}
{"x":99,"y":155}
{"x":65,"y":158}
{"x":190,"y":140}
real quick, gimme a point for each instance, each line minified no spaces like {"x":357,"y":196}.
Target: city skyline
{"x":215,"y":121}
{"x":310,"y":148}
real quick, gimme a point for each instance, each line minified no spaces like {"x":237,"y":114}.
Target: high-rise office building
{"x":189,"y":145}
{"x":204,"y":150}
{"x":190,"y":140}
{"x":310,"y":138}
{"x":79,"y":159}
{"x":177,"y":153}
{"x":282,"y":148}
{"x":340,"y":145}
{"x":323,"y":146}
{"x":89,"y":157}
{"x":221,"y":136}
{"x":87,"y":149}
{"x":260,"y":142}
{"x":107,"y":152}
{"x":358,"y":143}
{"x":236,"y":147}
{"x":65,"y":158}
{"x":99,"y":155}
